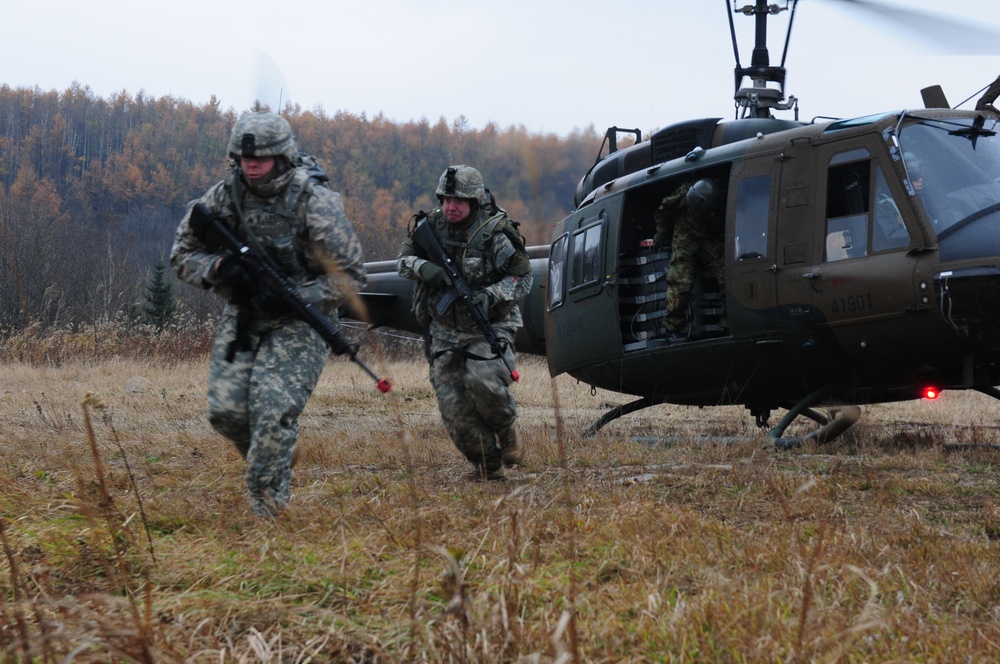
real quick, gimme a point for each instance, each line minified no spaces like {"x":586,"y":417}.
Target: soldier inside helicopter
{"x":691,"y":218}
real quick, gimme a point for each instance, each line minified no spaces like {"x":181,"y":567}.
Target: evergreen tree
{"x":160,"y":305}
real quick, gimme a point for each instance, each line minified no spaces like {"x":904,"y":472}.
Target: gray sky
{"x":552,"y":66}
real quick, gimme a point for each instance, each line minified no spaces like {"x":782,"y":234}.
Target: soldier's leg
{"x":680,"y":276}
{"x":489,"y":385}
{"x":467,"y":430}
{"x":716,"y":263}
{"x":679,"y":280}
{"x":228,"y":386}
{"x":289,"y":362}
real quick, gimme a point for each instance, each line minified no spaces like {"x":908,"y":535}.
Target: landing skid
{"x":832,"y":424}
{"x":839,"y":420}
{"x":615,"y":413}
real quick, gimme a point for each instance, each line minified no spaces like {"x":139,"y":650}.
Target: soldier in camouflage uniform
{"x":689,"y":222}
{"x":473,"y":386}
{"x":265,"y":363}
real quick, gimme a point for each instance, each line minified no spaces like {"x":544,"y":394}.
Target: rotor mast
{"x":757,"y":100}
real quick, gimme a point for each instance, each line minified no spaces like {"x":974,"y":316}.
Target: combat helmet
{"x":462,"y":182}
{"x":258,"y":135}
{"x":704,"y":196}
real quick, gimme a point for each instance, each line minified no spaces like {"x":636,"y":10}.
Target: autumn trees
{"x":91,"y":189}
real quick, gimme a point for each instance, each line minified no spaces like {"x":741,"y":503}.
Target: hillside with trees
{"x":92,"y":189}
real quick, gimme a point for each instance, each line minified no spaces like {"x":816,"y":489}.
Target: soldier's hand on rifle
{"x":232,"y":271}
{"x":483,"y":301}
{"x":201,"y":217}
{"x":435,"y":276}
{"x":272,"y":302}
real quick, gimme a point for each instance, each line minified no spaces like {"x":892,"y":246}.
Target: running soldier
{"x":265,"y":363}
{"x":472,"y":385}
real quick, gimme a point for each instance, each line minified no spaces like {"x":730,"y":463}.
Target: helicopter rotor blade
{"x":270,"y":87}
{"x":948,"y":35}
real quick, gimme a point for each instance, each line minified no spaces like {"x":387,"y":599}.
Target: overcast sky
{"x":552,"y":66}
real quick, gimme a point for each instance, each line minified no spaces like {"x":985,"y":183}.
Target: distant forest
{"x":92,"y":189}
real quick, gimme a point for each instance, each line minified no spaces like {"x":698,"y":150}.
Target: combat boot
{"x":511,"y":448}
{"x":482,"y":473}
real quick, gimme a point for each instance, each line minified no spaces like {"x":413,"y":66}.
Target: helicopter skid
{"x":833,"y":425}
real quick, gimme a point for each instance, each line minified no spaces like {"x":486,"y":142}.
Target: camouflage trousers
{"x":255,"y":401}
{"x":693,"y":248}
{"x":476,"y":403}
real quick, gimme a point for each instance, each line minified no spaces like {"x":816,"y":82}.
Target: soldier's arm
{"x":407,"y":262}
{"x":335,"y":251}
{"x":191,"y":260}
{"x":512,"y":260}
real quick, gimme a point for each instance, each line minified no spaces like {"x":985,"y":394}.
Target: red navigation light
{"x":931,"y":393}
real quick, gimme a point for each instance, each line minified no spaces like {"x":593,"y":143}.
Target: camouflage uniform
{"x":696,"y":243}
{"x":255,"y":395}
{"x":474,"y":395}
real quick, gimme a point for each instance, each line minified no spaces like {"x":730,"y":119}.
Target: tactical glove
{"x":233,"y":272}
{"x":201,"y":217}
{"x":272,"y":303}
{"x":483,"y":301}
{"x":435,"y":276}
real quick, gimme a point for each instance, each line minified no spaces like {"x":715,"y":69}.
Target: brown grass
{"x":127,"y":536}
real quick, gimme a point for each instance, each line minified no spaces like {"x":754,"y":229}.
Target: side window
{"x":753,"y":207}
{"x":888,"y":231}
{"x":586,"y":248}
{"x":847,"y":204}
{"x":557,"y":266}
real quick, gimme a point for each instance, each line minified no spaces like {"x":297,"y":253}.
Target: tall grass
{"x":117,"y":339}
{"x":127,"y":536}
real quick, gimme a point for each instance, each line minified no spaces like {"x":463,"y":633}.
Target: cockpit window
{"x":861,"y":214}
{"x":953,"y":170}
{"x":847,"y":204}
{"x":889,"y":230}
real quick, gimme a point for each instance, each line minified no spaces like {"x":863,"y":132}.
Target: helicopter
{"x":860,"y":259}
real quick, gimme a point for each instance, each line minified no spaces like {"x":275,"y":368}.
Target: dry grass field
{"x":127,"y":536}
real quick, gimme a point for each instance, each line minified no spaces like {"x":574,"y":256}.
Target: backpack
{"x":316,"y":172}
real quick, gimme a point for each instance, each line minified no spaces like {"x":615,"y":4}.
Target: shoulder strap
{"x":236,"y":193}
{"x":508,"y":227}
{"x":297,"y":192}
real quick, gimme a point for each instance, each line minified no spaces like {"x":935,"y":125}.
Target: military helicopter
{"x":861,"y":260}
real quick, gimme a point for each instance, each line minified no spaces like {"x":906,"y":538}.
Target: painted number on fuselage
{"x":852,"y":304}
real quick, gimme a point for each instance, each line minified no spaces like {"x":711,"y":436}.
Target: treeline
{"x":92,"y":189}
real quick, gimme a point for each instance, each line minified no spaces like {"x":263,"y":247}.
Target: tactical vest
{"x":476,"y":249}
{"x":278,"y":227}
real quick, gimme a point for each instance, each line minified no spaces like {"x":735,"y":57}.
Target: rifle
{"x":208,"y":226}
{"x":424,"y":238}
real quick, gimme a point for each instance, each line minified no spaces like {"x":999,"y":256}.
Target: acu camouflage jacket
{"x":314,"y":244}
{"x":491,"y":255}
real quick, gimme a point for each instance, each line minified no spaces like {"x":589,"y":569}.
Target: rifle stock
{"x":424,"y":237}
{"x":211,"y":228}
